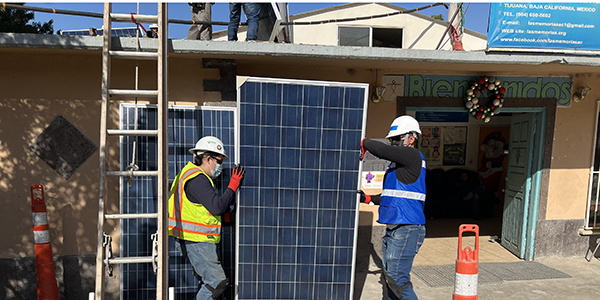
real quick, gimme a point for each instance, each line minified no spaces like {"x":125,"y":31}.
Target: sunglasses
{"x":219,"y":161}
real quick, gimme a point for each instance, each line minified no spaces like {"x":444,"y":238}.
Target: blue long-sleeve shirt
{"x":200,"y":191}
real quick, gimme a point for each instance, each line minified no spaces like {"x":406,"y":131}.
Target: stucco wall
{"x":36,"y":87}
{"x":572,"y":154}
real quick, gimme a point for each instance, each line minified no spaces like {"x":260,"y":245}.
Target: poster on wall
{"x":431,"y":142}
{"x":455,"y":143}
{"x":444,"y":146}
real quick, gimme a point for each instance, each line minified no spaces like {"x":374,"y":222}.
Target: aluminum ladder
{"x":160,"y":247}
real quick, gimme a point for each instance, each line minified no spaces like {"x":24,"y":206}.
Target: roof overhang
{"x":423,"y":61}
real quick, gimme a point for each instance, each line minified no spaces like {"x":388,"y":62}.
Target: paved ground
{"x":440,"y":248}
{"x":584,"y":284}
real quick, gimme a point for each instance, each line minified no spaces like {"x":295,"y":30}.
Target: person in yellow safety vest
{"x":195,"y":212}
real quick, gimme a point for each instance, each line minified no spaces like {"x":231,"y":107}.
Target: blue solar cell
{"x":268,"y":218}
{"x":308,"y":218}
{"x":332,"y":118}
{"x":291,"y":116}
{"x":287,"y":236}
{"x":313,"y":96}
{"x":289,"y":178}
{"x":332,"y":139}
{"x":272,"y":93}
{"x":310,"y":138}
{"x":249,"y":114}
{"x":285,"y":273}
{"x":271,"y":136}
{"x":290,"y":137}
{"x":354,"y":98}
{"x":334,"y":97}
{"x":288,"y":197}
{"x":292,"y":94}
{"x":251,"y":93}
{"x":312,"y":117}
{"x":269,"y":178}
{"x":270,"y":115}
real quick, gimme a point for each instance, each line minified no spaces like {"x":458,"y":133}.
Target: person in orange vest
{"x":195,"y":211}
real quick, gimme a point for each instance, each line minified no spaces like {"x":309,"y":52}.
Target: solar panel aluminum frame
{"x":240,"y":81}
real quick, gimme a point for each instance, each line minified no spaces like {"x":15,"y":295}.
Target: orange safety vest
{"x":188,"y":220}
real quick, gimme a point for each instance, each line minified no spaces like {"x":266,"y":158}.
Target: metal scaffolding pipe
{"x":188,"y":22}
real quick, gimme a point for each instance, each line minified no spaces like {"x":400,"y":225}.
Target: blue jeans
{"x":252,"y":11}
{"x":400,"y":246}
{"x":205,"y":261}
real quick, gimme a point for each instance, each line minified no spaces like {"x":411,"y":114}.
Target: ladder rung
{"x":134,"y":55}
{"x":133,"y":93}
{"x":130,"y":260}
{"x":138,"y":18}
{"x":132,"y":216}
{"x":135,"y":173}
{"x":132,"y":132}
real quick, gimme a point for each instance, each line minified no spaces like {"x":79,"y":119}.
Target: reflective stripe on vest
{"x":198,"y":231}
{"x":404,"y":194}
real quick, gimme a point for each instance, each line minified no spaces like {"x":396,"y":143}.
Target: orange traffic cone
{"x":467,"y":266}
{"x":44,"y":264}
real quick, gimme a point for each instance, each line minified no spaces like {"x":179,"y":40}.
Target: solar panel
{"x":186,"y":126}
{"x":118,"y":32}
{"x":298,"y":207}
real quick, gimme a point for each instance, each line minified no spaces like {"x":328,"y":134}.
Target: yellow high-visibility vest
{"x":188,"y":220}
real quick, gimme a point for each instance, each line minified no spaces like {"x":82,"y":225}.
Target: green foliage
{"x":16,"y":20}
{"x":438,"y":17}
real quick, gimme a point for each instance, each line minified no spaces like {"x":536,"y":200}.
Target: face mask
{"x":405,"y":140}
{"x":402,"y":142}
{"x":217,"y":171}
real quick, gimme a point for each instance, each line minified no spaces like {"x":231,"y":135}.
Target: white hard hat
{"x":402,"y":125}
{"x":210,"y":143}
{"x":153,"y":26}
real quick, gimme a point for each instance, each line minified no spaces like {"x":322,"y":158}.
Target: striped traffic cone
{"x":44,"y":264}
{"x":467,"y":266}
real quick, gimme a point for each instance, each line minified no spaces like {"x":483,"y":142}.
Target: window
{"x":370,"y":37}
{"x":354,"y":36}
{"x":387,"y":37}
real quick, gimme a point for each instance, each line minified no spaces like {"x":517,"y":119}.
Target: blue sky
{"x":476,"y":17}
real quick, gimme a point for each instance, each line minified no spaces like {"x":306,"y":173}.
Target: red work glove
{"x":364,"y":198}
{"x":363,"y":150}
{"x":236,"y":177}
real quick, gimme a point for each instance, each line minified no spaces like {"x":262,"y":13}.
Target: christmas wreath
{"x":475,"y":95}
